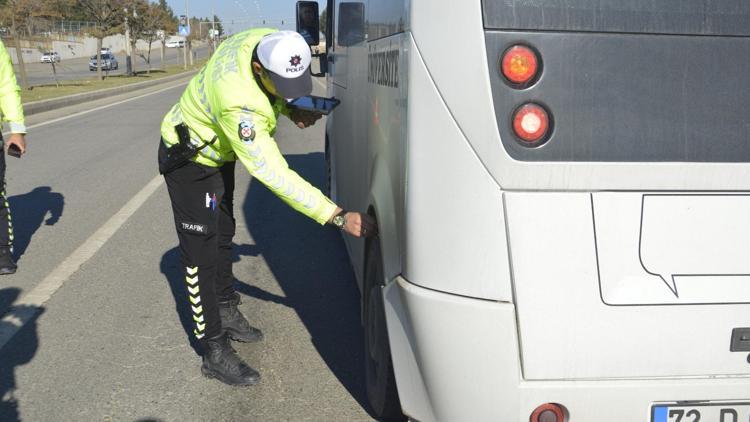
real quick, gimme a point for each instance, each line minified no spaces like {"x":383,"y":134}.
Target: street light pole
{"x":188,"y":44}
{"x":128,"y":62}
{"x":213,"y":27}
{"x":185,"y":47}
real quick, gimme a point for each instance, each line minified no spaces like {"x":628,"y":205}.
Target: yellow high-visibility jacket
{"x":11,"y":110}
{"x":224,"y":100}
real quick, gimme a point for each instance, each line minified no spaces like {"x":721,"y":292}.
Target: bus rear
{"x":586,"y":165}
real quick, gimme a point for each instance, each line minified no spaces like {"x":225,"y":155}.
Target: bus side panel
{"x":386,"y":125}
{"x":455,"y":358}
{"x":452,"y":44}
{"x":347,"y":132}
{"x":455,"y":228}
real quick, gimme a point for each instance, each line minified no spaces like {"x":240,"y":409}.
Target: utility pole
{"x":213,"y":27}
{"x":187,"y":43}
{"x":128,"y":60}
{"x":185,"y":47}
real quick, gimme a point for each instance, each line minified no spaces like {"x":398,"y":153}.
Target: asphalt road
{"x":75,"y":69}
{"x":112,"y":343}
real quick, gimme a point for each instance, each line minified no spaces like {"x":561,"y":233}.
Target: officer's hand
{"x":304,"y":118}
{"x":360,"y":225}
{"x":18,"y":140}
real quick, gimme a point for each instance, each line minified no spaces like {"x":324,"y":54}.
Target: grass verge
{"x":46,"y":92}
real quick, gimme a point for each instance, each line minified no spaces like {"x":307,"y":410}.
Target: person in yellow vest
{"x":228,"y":113}
{"x":11,"y":112}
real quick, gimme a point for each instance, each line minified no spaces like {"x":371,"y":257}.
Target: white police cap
{"x":286,"y":56}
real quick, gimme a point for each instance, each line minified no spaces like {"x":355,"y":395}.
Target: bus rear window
{"x":679,"y":17}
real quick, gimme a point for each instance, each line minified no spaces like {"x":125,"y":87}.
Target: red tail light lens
{"x":520,"y":65}
{"x":531,"y":124}
{"x":549,"y":412}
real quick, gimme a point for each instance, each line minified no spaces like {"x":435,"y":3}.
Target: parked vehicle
{"x":50,"y":57}
{"x":175,"y":43}
{"x":109,"y":62}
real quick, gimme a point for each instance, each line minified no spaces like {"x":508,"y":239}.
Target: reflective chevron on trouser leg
{"x":6,"y":211}
{"x":194,"y":296}
{"x":7,"y":263}
{"x":10,"y":225}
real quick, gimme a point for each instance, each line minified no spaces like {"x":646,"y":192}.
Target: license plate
{"x":703,"y":412}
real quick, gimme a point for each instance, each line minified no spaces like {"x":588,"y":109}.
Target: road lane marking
{"x":81,"y":113}
{"x":26,"y":309}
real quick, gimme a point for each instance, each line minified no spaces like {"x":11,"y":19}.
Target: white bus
{"x":563,"y":195}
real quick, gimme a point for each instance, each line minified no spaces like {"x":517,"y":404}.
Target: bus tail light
{"x":531,"y":124}
{"x":520,"y":65}
{"x":549,"y":412}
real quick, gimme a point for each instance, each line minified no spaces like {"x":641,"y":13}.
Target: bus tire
{"x":379,"y":378}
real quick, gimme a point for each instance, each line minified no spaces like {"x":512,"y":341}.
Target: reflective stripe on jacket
{"x":11,"y":110}
{"x":224,"y":100}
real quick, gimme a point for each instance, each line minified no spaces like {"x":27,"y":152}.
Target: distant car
{"x":109,"y":62}
{"x":175,"y":43}
{"x":50,"y":57}
{"x":106,"y":50}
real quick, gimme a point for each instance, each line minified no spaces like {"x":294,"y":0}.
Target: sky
{"x":244,"y":13}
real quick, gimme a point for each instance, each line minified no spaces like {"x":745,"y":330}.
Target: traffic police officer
{"x":227,"y":113}
{"x":11,"y":112}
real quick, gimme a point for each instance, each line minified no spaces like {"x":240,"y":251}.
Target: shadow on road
{"x":170,"y":267}
{"x":19,"y":351}
{"x":29,"y":212}
{"x":311,"y":266}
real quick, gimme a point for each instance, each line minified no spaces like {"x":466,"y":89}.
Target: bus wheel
{"x":381,"y":383}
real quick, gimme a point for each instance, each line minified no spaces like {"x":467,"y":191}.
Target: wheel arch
{"x":384,"y":206}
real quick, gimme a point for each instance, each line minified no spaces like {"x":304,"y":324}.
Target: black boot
{"x":7,"y":264}
{"x":220,"y":361}
{"x":235,"y":324}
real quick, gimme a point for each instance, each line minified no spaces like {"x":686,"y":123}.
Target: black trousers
{"x":202,"y":203}
{"x":6,"y":220}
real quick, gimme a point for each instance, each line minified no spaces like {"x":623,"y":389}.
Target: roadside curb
{"x":35,"y":107}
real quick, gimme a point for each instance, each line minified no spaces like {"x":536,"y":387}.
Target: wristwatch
{"x":339,"y":220}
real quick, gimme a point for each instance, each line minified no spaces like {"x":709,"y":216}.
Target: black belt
{"x":177,"y":155}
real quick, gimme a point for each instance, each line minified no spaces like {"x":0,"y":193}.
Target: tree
{"x":195,"y":29}
{"x":108,"y":16}
{"x":167,"y":10}
{"x":137,"y":22}
{"x":156,"y":23}
{"x":219,"y":27}
{"x":151,"y":25}
{"x":74,"y":12}
{"x":16,"y":14}
{"x":168,"y":25}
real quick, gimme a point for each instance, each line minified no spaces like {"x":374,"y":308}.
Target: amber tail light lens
{"x":520,"y":65}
